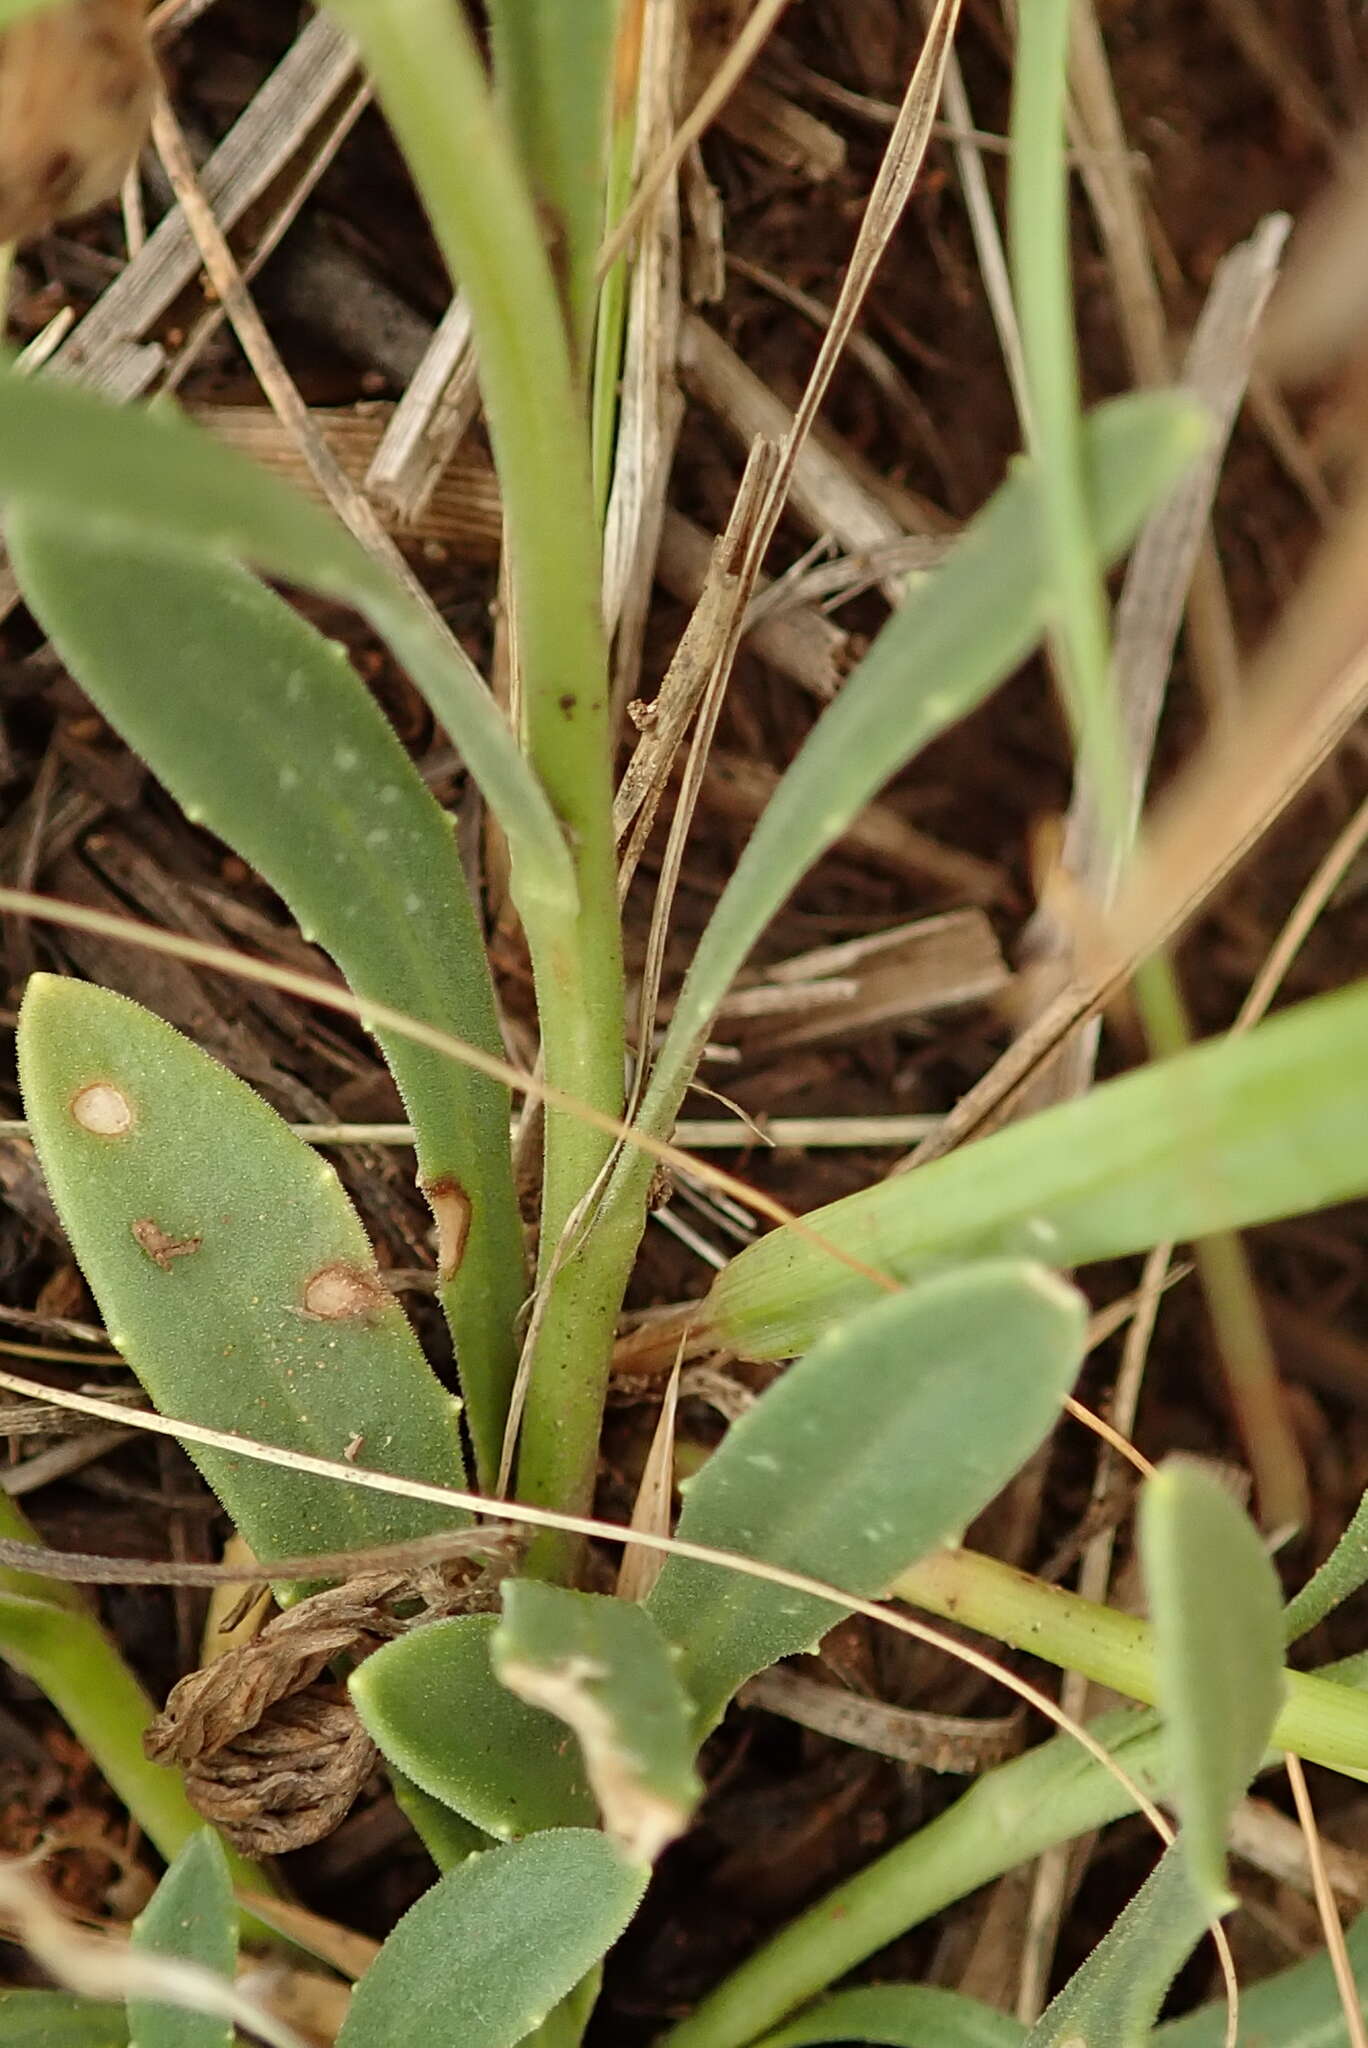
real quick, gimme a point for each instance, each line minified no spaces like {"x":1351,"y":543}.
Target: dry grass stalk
{"x":698,"y":659}
{"x":650,"y":407}
{"x":739,"y":787}
{"x":935,"y":1742}
{"x":428,"y":425}
{"x":867,"y":984}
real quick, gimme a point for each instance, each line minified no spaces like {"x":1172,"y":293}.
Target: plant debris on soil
{"x":1233,"y":109}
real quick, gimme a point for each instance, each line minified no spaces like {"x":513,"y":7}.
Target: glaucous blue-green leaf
{"x":899,"y":2016}
{"x":1232,"y":1133}
{"x":434,"y":1707}
{"x":1114,"y":1999}
{"x":58,"y":2019}
{"x":231,"y":1270}
{"x":1295,"y":2008}
{"x":1216,"y":1611}
{"x":484,"y":1956}
{"x":149,"y":472}
{"x":882,"y":1443}
{"x":192,"y":1917}
{"x":263,"y":731}
{"x":603,"y":1668}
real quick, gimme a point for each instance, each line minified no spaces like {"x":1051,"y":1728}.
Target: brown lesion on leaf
{"x":340,"y":1293}
{"x":160,"y":1247}
{"x":451,"y":1211}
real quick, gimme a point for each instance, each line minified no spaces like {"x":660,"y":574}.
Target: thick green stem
{"x":428,"y":73}
{"x":1323,"y":1722}
{"x":47,"y":1632}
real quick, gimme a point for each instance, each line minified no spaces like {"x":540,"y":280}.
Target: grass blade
{"x":603,"y":1667}
{"x":486,"y":1954}
{"x":263,"y":731}
{"x":1344,"y":1571}
{"x":58,"y":2019}
{"x":191,"y":1916}
{"x":1296,"y":2008}
{"x":231,"y":1270}
{"x":885,"y":1439}
{"x":1232,"y":1133}
{"x":1116,"y":1996}
{"x":1218,"y":1641}
{"x":899,"y":2016}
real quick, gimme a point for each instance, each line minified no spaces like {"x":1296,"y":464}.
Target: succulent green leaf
{"x":603,"y":1667}
{"x":879,"y":1445}
{"x":57,"y":2019}
{"x":487,"y":1953}
{"x":192,"y":1917}
{"x":263,"y":731}
{"x":553,"y":65}
{"x":1229,"y":1134}
{"x":899,"y":2016}
{"x":448,"y":1838}
{"x":132,"y":471}
{"x":937,"y":658}
{"x":436,"y":1710}
{"x":232,"y":1272}
{"x":1295,"y":2008}
{"x":1218,"y":1638}
{"x":1114,"y":2000}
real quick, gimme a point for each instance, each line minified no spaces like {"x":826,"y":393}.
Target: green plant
{"x":938,"y":1341}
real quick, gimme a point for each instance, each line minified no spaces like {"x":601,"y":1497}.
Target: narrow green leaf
{"x":192,"y":1917}
{"x":232,"y":1272}
{"x":56,"y":2019}
{"x":1296,"y":2008}
{"x":1344,"y":1571}
{"x":937,"y":658}
{"x":564,"y":2025}
{"x":603,"y":1667}
{"x":1232,"y":1133}
{"x":486,"y":1954}
{"x":899,"y":2016}
{"x":133,"y":471}
{"x":448,"y":1838}
{"x":263,"y":731}
{"x":433,"y":1705}
{"x":553,"y":64}
{"x":882,"y":1443}
{"x":1218,"y":1644}
{"x":1114,"y":2000}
